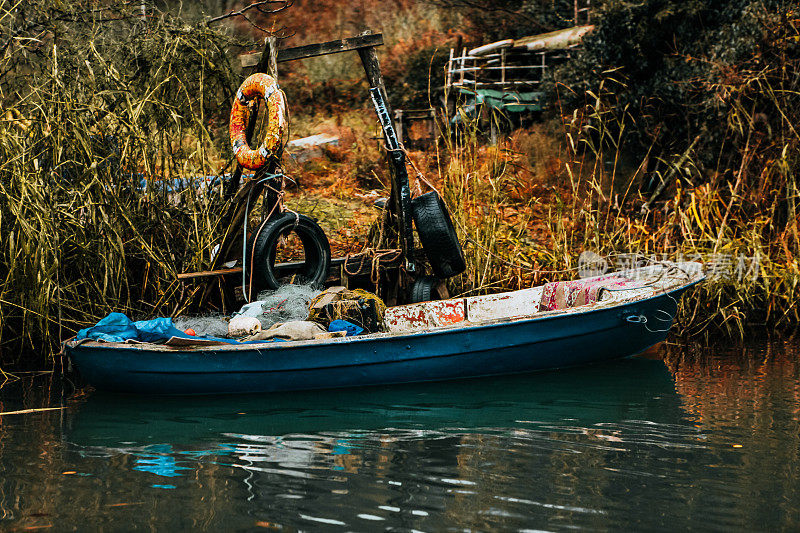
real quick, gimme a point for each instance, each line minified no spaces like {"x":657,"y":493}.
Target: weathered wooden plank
{"x":318,"y":49}
{"x":210,"y":273}
{"x":330,"y":47}
{"x":354,"y":263}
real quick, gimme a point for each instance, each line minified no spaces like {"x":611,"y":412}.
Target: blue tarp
{"x":117,"y":327}
{"x":344,"y":325}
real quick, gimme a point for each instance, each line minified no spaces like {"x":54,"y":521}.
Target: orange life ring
{"x":264,"y":86}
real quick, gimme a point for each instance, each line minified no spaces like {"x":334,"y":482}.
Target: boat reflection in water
{"x":622,"y":445}
{"x":309,"y":429}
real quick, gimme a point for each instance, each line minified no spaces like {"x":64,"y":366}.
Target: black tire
{"x":316,"y":250}
{"x":424,"y":289}
{"x":438,"y":236}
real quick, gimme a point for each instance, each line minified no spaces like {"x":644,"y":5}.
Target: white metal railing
{"x":498,"y":71}
{"x":509,"y":67}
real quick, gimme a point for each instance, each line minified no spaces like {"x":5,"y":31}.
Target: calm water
{"x":706,"y":442}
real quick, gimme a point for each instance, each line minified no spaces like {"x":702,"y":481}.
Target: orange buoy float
{"x":264,"y":86}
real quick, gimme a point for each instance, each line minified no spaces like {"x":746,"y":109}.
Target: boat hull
{"x":514,"y":346}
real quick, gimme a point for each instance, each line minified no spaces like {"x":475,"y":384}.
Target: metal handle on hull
{"x":642,"y":319}
{"x":636,"y":319}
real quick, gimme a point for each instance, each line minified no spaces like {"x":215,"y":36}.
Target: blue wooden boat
{"x":489,"y":335}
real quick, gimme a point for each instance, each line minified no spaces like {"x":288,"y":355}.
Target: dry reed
{"x":740,"y":218}
{"x":103,"y":111}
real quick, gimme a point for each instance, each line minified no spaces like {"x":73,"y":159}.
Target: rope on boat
{"x":642,"y":319}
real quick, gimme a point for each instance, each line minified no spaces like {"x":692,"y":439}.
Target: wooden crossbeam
{"x":355,"y":262}
{"x":209,"y":273}
{"x":319,"y":49}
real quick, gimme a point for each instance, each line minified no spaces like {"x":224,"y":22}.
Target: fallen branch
{"x":259,"y":7}
{"x":38,"y":410}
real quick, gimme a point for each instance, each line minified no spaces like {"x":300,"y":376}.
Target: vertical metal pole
{"x":503,"y":68}
{"x":448,"y":87}
{"x":449,"y":77}
{"x":398,"y":125}
{"x":544,"y":66}
{"x":463,"y":63}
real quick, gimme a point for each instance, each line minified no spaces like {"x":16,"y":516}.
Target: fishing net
{"x":287,"y":303}
{"x":206,"y":325}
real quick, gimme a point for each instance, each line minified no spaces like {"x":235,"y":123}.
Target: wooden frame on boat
{"x":218,"y":285}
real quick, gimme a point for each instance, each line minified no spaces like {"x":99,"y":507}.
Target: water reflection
{"x":588,"y":395}
{"x":634,"y":444}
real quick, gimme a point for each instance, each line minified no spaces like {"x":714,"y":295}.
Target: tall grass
{"x":737,"y":215}
{"x":100,"y":111}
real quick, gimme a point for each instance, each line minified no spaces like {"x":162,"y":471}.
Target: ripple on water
{"x":633,"y":446}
